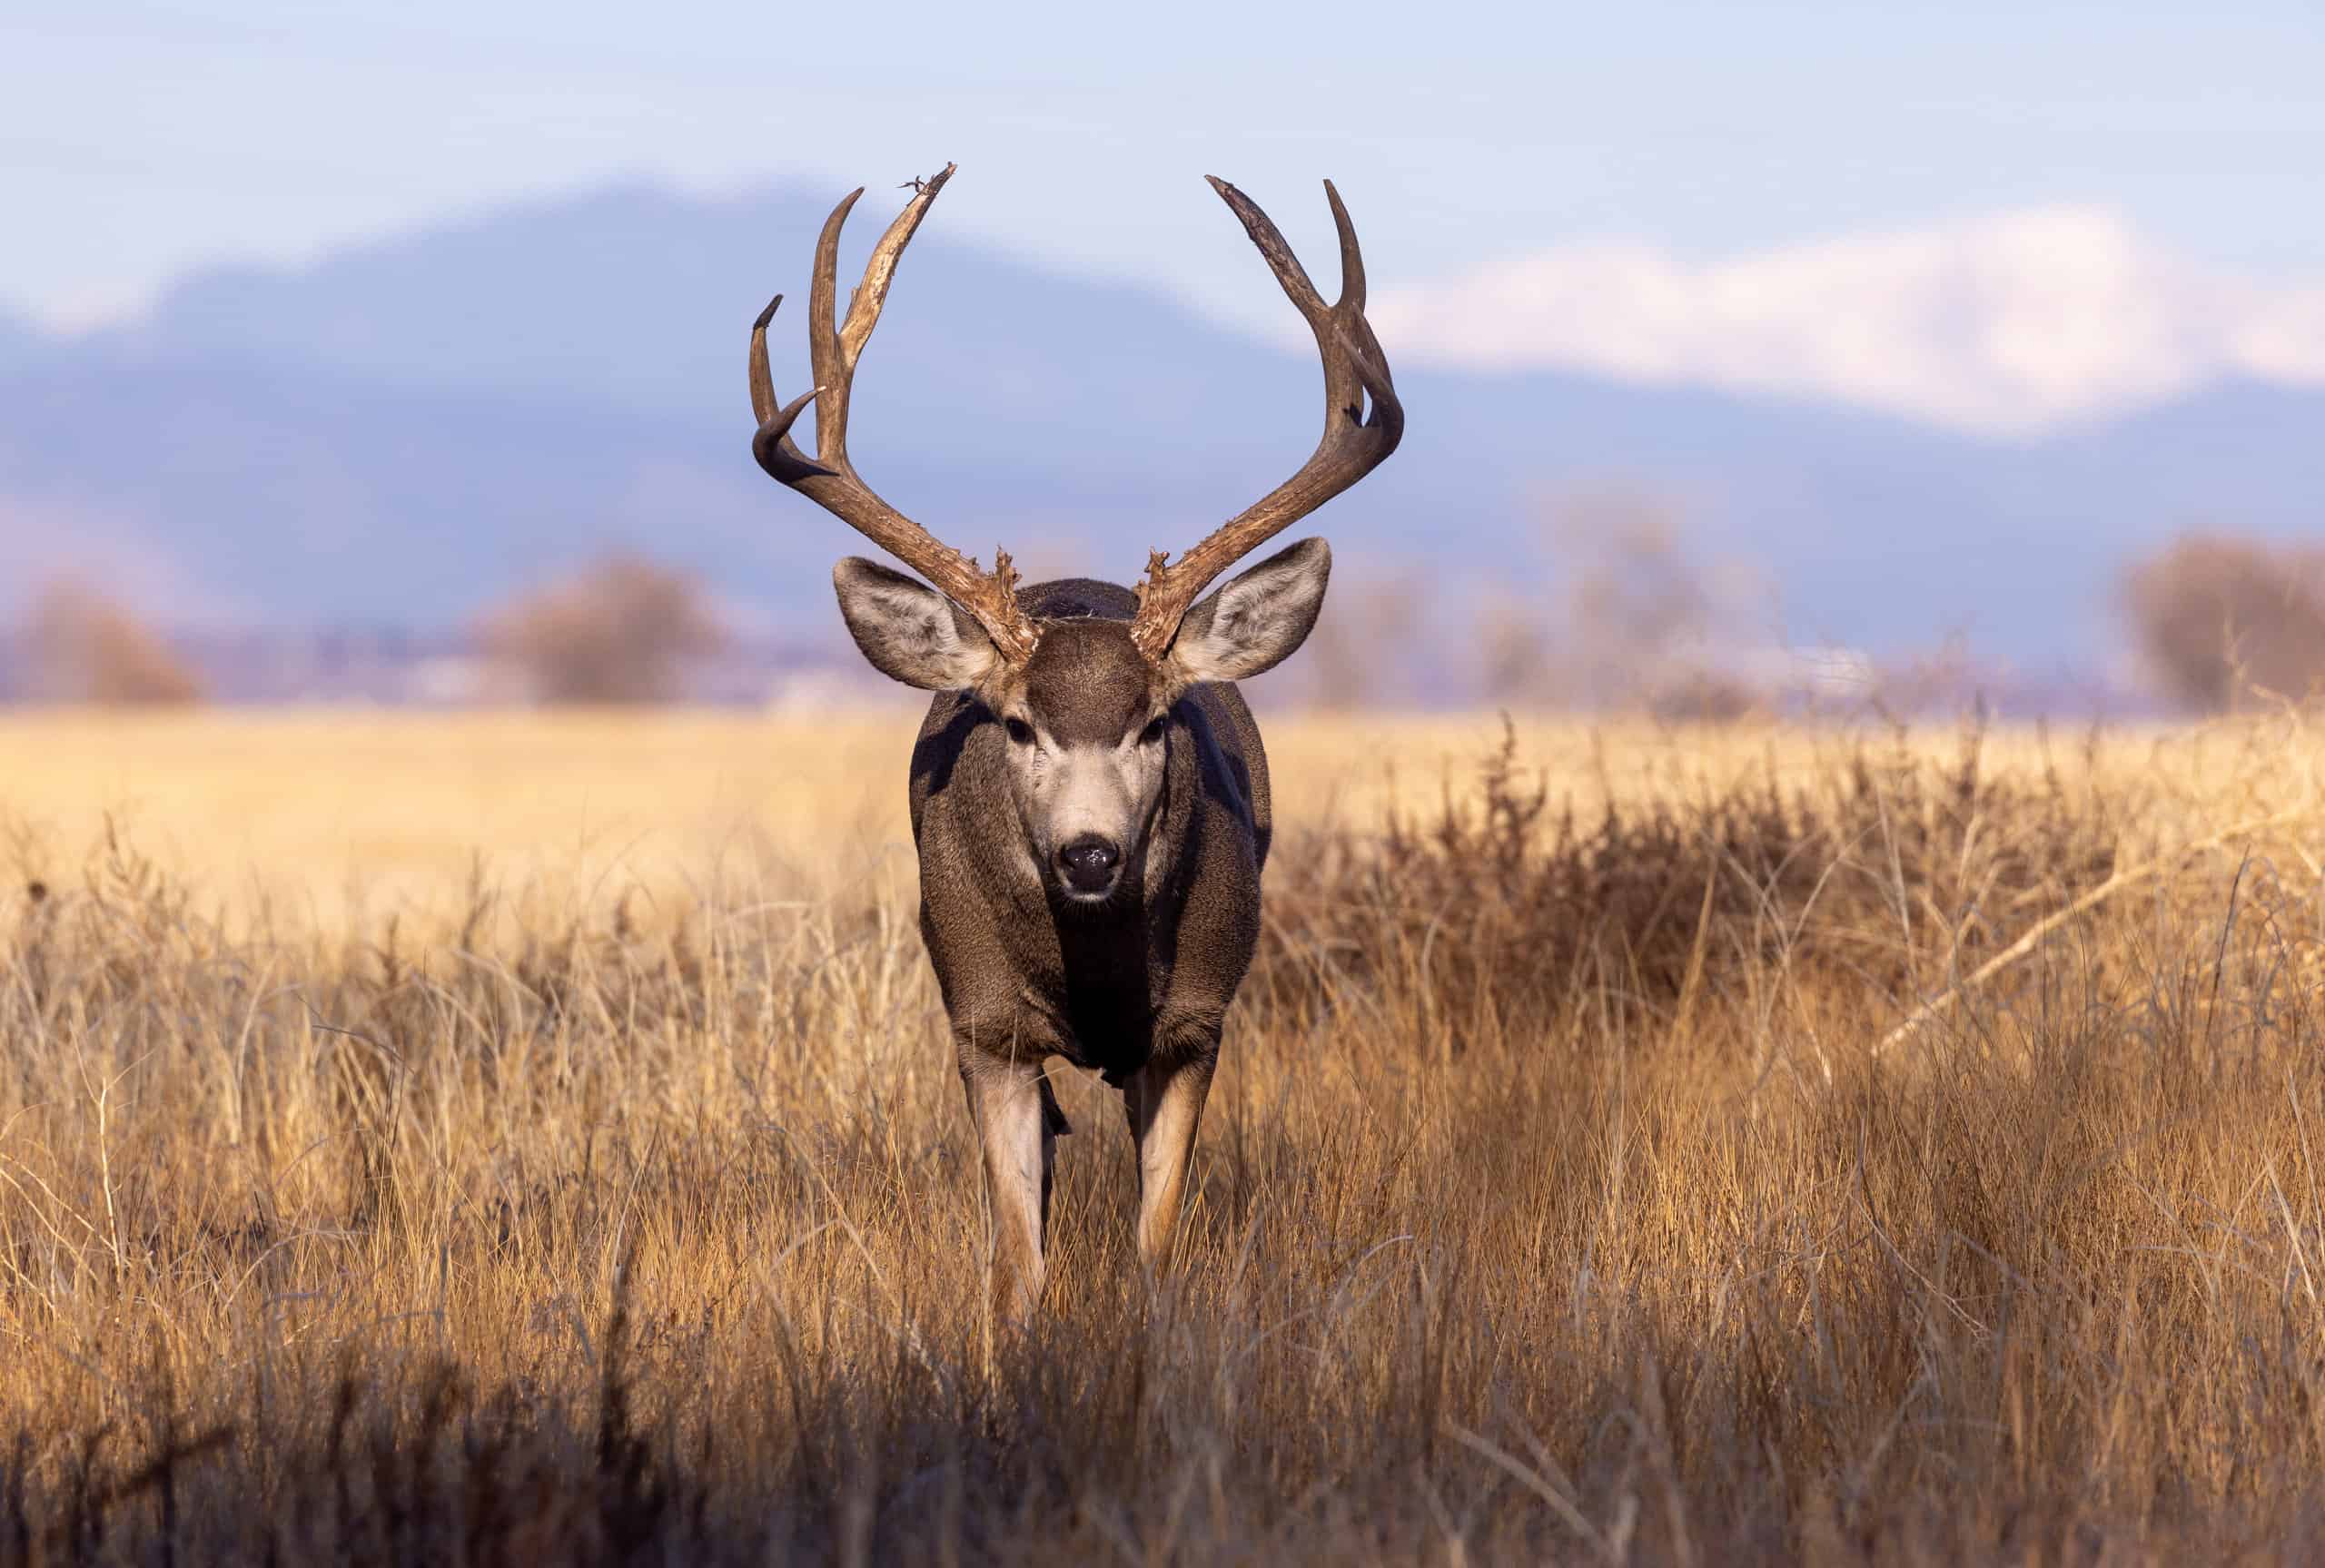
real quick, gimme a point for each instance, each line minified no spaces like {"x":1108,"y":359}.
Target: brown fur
{"x":1156,"y":968}
{"x":1135,"y":989}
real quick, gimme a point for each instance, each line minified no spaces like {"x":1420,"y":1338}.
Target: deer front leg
{"x":1017,"y":1124}
{"x":1164,"y":1102}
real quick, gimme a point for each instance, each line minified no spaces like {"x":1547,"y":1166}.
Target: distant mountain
{"x":405,"y":433}
{"x":16,"y":336}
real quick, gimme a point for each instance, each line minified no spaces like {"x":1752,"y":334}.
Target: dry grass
{"x":617,"y":1204}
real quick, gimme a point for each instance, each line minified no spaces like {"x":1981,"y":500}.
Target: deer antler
{"x":828,"y":478}
{"x":1352,"y":445}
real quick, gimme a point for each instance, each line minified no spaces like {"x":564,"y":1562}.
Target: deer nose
{"x":1089,"y":862}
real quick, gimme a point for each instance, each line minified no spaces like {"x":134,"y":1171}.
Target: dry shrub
{"x":1879,"y":874}
{"x":1644,"y":621}
{"x":88,"y":648}
{"x":1638,"y":605}
{"x":621,"y":632}
{"x":1363,"y":639}
{"x":1707,"y":697}
{"x":664,"y":1243}
{"x":1513,"y":652}
{"x":2216,"y":616}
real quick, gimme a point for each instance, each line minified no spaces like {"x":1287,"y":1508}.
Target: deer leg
{"x":1164,"y":1102}
{"x":1017,"y":1125}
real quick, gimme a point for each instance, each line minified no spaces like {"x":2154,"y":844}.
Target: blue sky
{"x":1997,"y":216}
{"x":138,"y":139}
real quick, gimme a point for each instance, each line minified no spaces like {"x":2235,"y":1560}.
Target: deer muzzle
{"x":1089,"y":865}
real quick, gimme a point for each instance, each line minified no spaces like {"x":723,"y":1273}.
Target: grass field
{"x":513,"y":1138}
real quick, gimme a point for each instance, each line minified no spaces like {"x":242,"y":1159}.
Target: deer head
{"x":1083,"y":698}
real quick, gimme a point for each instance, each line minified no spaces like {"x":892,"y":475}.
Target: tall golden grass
{"x":1750,"y":1145}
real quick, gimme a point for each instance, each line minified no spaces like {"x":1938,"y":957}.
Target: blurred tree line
{"x":1640,"y":620}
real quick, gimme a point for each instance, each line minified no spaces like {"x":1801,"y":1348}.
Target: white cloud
{"x":2006,"y":325}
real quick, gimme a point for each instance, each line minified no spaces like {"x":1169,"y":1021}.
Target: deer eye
{"x":1019,"y":731}
{"x":1150,"y":733}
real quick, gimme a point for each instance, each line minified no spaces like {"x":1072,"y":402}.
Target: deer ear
{"x":909,"y":631}
{"x":1257,"y":620}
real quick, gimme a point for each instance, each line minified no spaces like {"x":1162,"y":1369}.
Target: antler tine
{"x":1351,"y":255}
{"x":773,"y":445}
{"x":829,"y":478}
{"x":1353,"y":444}
{"x":832,"y":378}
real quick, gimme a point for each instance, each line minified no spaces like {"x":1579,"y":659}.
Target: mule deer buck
{"x":1089,"y":793}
